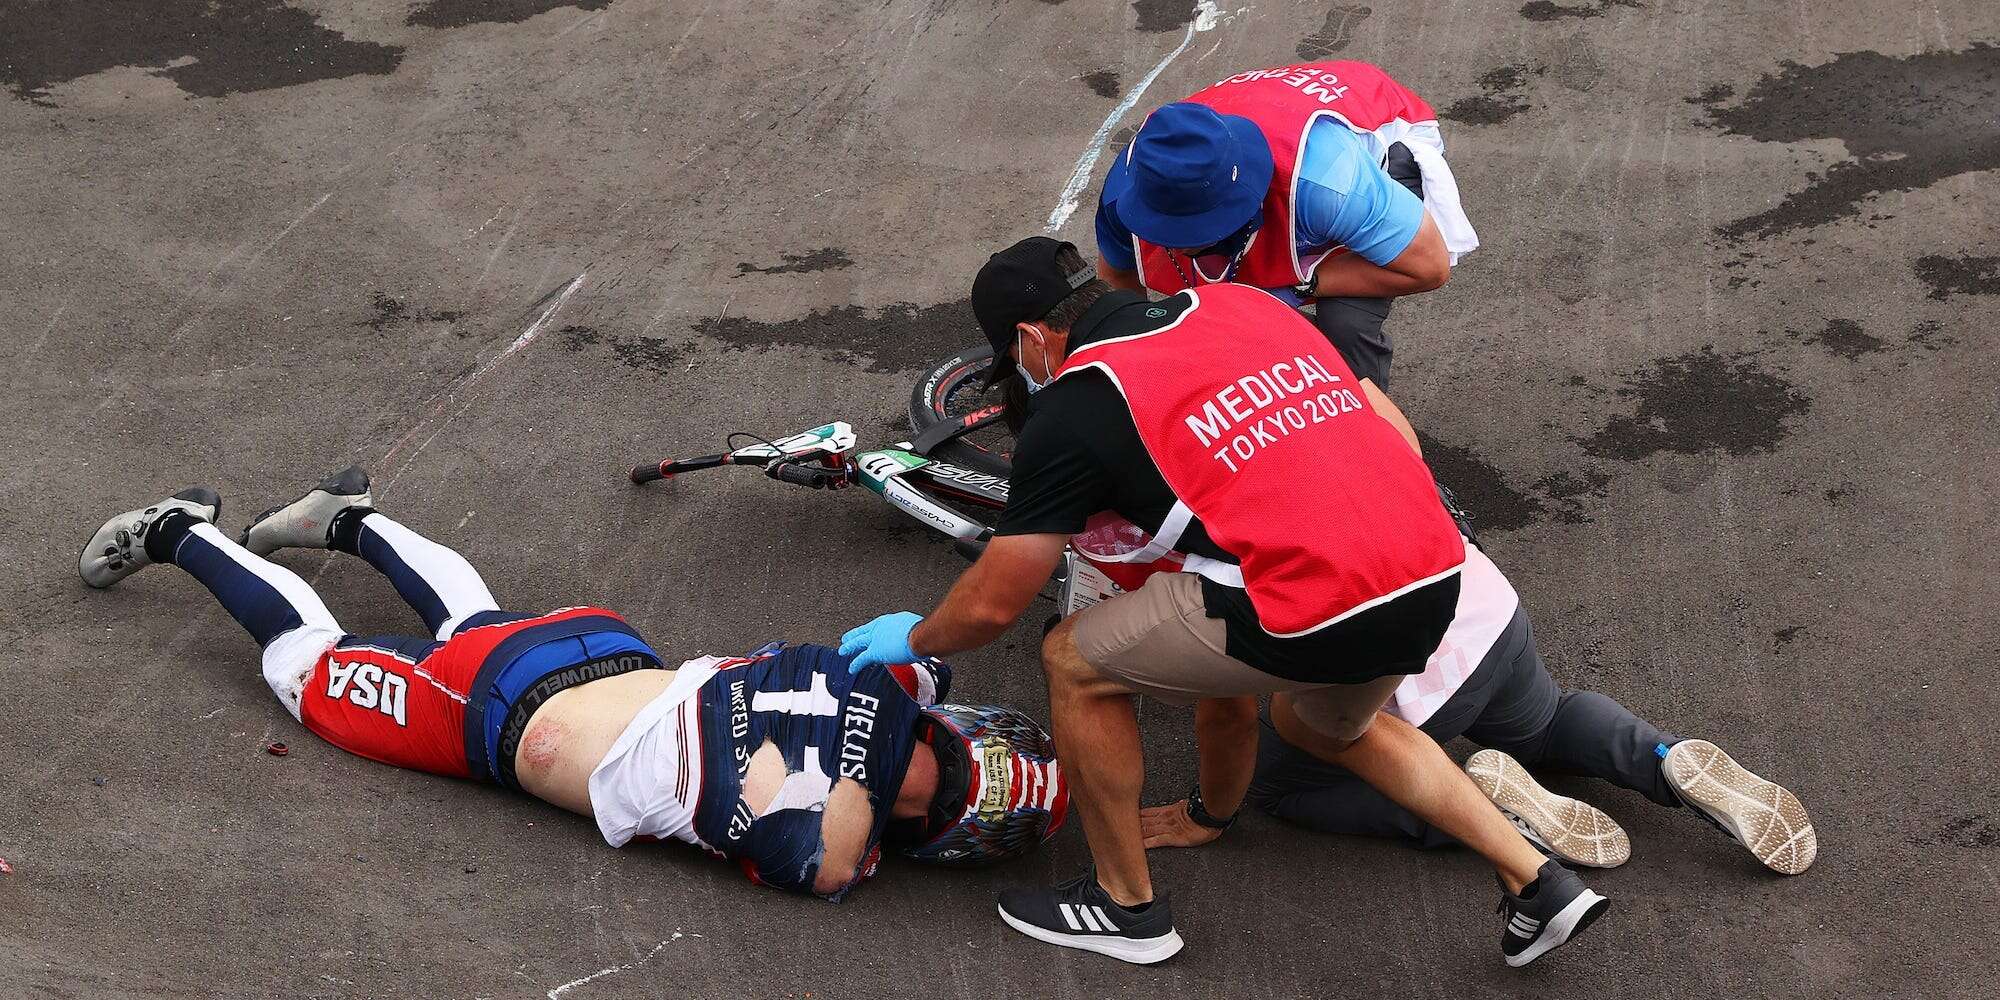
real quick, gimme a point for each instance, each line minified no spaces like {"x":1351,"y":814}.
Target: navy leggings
{"x":1510,"y":703}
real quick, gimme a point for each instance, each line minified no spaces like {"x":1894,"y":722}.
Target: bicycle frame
{"x":823,"y":458}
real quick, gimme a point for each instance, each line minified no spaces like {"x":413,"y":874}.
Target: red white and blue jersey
{"x":677,"y":771}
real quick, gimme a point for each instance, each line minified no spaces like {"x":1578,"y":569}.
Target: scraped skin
{"x":845,"y":816}
{"x":572,"y":731}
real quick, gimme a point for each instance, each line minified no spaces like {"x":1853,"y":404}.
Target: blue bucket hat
{"x":1192,"y":177}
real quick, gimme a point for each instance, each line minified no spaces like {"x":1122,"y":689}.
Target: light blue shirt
{"x":1345,"y":198}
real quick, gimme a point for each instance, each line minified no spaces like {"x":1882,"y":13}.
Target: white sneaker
{"x":1575,"y":832}
{"x":118,"y":550}
{"x":307,"y":523}
{"x":1768,"y":820}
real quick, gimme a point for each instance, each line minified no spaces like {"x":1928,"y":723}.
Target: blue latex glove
{"x":885,"y":640}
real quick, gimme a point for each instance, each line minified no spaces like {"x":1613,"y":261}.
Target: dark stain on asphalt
{"x":1163,"y":15}
{"x":1907,"y":122}
{"x":1845,"y":338}
{"x":458,"y":13}
{"x":1965,"y":831}
{"x":1700,"y":402}
{"x":392,"y":311}
{"x":1714,"y":93}
{"x":1335,"y":34}
{"x":1962,"y":275}
{"x":1571,"y":492}
{"x":1784,"y":636}
{"x":1544,"y":10}
{"x":1481,"y":489}
{"x":654,"y":357}
{"x":1103,"y":83}
{"x":208,"y":48}
{"x":1930,"y":336}
{"x":823,"y":259}
{"x":895,"y":338}
{"x":1837,"y":496}
{"x":1502,"y":98}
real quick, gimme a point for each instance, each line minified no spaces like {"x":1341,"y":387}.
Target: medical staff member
{"x":1298,"y":180}
{"x":1322,"y":568}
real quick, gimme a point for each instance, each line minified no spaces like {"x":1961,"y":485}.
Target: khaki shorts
{"x":1160,"y":641}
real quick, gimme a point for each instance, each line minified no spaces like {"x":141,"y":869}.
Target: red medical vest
{"x":1262,"y":432}
{"x":1284,"y":102}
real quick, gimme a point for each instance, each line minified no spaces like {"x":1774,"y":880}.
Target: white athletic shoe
{"x":307,"y":523}
{"x":1577,"y":833}
{"x":1768,"y":820}
{"x":118,"y":550}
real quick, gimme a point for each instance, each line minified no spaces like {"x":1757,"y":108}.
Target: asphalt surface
{"x":1721,"y":385}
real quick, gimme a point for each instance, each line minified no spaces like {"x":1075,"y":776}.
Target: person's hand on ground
{"x":1170,"y":826}
{"x":886,"y":640}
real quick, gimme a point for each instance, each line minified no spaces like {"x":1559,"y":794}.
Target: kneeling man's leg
{"x":1407,"y":766}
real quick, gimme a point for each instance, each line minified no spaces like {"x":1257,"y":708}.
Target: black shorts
{"x":1354,"y":327}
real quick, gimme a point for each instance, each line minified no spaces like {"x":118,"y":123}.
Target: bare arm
{"x":1119,"y":278}
{"x":1392,"y":413}
{"x":990,"y":596}
{"x":1225,"y":732}
{"x":1423,"y":265}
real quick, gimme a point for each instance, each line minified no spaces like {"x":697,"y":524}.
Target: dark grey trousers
{"x":1510,"y":703}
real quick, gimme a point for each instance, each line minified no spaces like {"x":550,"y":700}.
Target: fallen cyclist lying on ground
{"x":782,"y":760}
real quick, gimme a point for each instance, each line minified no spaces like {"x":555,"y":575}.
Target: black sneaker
{"x":1080,"y":914}
{"x":1553,"y":908}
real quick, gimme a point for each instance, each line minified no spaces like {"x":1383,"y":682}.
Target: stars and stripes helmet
{"x":1000,"y":790}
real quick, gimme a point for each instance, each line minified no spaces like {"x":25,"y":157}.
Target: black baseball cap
{"x":1020,"y":284}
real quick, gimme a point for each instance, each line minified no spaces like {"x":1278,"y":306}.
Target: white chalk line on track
{"x":465,"y":387}
{"x":556,"y":994}
{"x":1207,"y":16}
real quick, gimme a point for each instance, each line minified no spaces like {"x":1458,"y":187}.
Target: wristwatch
{"x":1200,"y":815}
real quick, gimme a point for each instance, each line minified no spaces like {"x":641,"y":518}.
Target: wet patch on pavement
{"x":1783,"y":637}
{"x":1843,"y":337}
{"x":1335,"y":34}
{"x":896,"y":338}
{"x":1930,"y":336}
{"x":1700,"y":402}
{"x":823,"y":259}
{"x":1963,"y":275}
{"x":1163,"y":15}
{"x":1965,"y":831}
{"x":392,"y":311}
{"x":1571,"y":493}
{"x":458,"y":13}
{"x":642,"y":354}
{"x":1502,"y":98}
{"x":1103,"y":83}
{"x":208,"y":48}
{"x":1907,"y":123}
{"x":1481,"y":488}
{"x":1545,"y":10}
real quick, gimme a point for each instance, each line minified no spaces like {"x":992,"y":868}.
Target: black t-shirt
{"x":1080,"y":453}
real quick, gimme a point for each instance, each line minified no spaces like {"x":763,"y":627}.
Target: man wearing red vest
{"x":1321,"y":182}
{"x":1321,"y":567}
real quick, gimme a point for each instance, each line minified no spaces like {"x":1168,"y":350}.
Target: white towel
{"x":1440,"y":188}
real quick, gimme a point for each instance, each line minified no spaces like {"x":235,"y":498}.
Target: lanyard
{"x":1228,"y":273}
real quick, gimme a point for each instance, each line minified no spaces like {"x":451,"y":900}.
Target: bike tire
{"x":945,"y":391}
